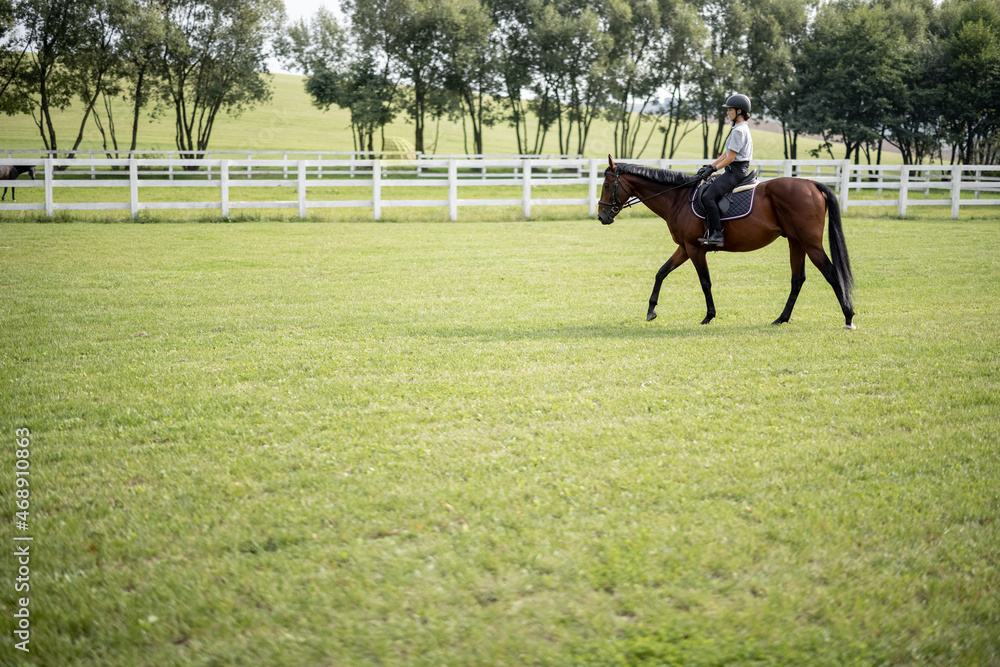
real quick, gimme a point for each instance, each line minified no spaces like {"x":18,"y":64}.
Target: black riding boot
{"x":714,"y":237}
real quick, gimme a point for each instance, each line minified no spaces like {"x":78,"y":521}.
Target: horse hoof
{"x":778,"y":321}
{"x":850,"y":327}
{"x":650,"y":316}
{"x":706,"y":320}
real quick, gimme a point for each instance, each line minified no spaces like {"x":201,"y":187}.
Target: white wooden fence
{"x":373,"y":177}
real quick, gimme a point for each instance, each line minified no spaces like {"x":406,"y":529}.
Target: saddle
{"x":736,"y":204}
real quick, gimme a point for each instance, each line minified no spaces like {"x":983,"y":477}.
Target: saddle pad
{"x":740,"y":202}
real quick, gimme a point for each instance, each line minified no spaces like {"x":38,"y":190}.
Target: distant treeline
{"x":918,"y":75}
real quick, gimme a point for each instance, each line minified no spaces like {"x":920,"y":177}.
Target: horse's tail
{"x":838,"y":248}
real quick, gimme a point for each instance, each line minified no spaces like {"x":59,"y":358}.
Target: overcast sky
{"x":306,"y":8}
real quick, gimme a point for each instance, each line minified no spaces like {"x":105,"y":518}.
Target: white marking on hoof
{"x":850,"y":327}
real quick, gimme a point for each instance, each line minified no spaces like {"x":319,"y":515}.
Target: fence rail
{"x":373,"y":176}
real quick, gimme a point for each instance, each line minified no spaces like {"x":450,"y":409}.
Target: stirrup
{"x":713,"y":238}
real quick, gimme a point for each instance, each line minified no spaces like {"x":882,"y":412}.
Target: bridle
{"x":617,"y":206}
{"x":632,"y":200}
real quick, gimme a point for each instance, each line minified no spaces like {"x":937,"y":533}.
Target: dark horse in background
{"x":11,"y":172}
{"x":794,"y":208}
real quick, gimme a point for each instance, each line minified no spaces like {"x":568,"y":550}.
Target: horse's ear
{"x":611,"y":163}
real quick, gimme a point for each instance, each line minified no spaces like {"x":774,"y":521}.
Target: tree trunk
{"x":136,"y":107}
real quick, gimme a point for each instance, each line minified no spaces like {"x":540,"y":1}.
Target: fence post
{"x":452,"y":190}
{"x":592,"y":190}
{"x":302,"y":189}
{"x":224,"y":187}
{"x":526,"y":188}
{"x":49,"y":199}
{"x":904,"y":186}
{"x":284,"y":166}
{"x":845,"y":183}
{"x":786,"y":168}
{"x":133,"y":187}
{"x":377,"y":189}
{"x":956,"y":190}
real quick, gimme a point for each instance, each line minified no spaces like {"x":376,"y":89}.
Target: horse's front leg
{"x":679,"y":257}
{"x":701,"y":265}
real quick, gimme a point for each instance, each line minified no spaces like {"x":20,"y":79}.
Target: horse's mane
{"x":661,"y":176}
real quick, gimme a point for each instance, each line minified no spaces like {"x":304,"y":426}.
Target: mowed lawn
{"x":461,"y":444}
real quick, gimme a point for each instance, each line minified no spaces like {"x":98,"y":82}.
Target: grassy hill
{"x":290,"y":122}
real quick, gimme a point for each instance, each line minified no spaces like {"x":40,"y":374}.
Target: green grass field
{"x":312,"y":443}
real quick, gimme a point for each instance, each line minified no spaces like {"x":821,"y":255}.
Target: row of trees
{"x":191,"y":58}
{"x":913,"y":74}
{"x":918,"y":75}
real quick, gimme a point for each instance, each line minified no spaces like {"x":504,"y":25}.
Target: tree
{"x":852,"y":72}
{"x":517,"y":53}
{"x":44,"y":80}
{"x":72,"y":50}
{"x":970,"y":51}
{"x":635,"y":27}
{"x":214,"y":59}
{"x":364,"y":84}
{"x":410,"y":35}
{"x":911,"y":122}
{"x":775,"y":34}
{"x":721,"y":72}
{"x":576,"y":50}
{"x":469,"y":66}
{"x":362,"y":87}
{"x":94,"y":66}
{"x":313,"y":46}
{"x":141,"y":48}
{"x":683,"y":36}
{"x":13,"y":48}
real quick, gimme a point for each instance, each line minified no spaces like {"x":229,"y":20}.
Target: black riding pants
{"x":723,"y":184}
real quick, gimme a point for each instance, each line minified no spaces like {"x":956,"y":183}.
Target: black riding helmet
{"x":738,"y":101}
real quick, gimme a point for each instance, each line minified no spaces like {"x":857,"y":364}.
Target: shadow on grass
{"x":614,"y":331}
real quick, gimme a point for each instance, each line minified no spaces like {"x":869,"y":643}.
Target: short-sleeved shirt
{"x":739,"y":142}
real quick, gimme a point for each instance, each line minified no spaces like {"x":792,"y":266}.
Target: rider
{"x":736,"y":160}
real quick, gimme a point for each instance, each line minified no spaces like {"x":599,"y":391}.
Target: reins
{"x":632,"y":200}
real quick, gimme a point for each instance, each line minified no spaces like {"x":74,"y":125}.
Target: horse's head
{"x":26,"y":169}
{"x":613,"y":196}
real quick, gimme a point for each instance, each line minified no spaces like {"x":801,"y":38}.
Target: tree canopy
{"x":920,"y":76}
{"x":195,"y":57}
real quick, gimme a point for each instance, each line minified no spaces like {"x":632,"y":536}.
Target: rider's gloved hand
{"x":706,"y":171}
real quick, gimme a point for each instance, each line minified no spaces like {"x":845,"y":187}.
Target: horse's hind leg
{"x":798,"y":259}
{"x":678,"y":258}
{"x":4,"y":195}
{"x":825,"y":266}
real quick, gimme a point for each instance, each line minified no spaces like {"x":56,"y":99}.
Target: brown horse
{"x":794,"y":208}
{"x":10,"y":172}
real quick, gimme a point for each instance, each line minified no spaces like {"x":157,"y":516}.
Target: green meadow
{"x":309,"y":443}
{"x":274,"y":441}
{"x":289,"y":122}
